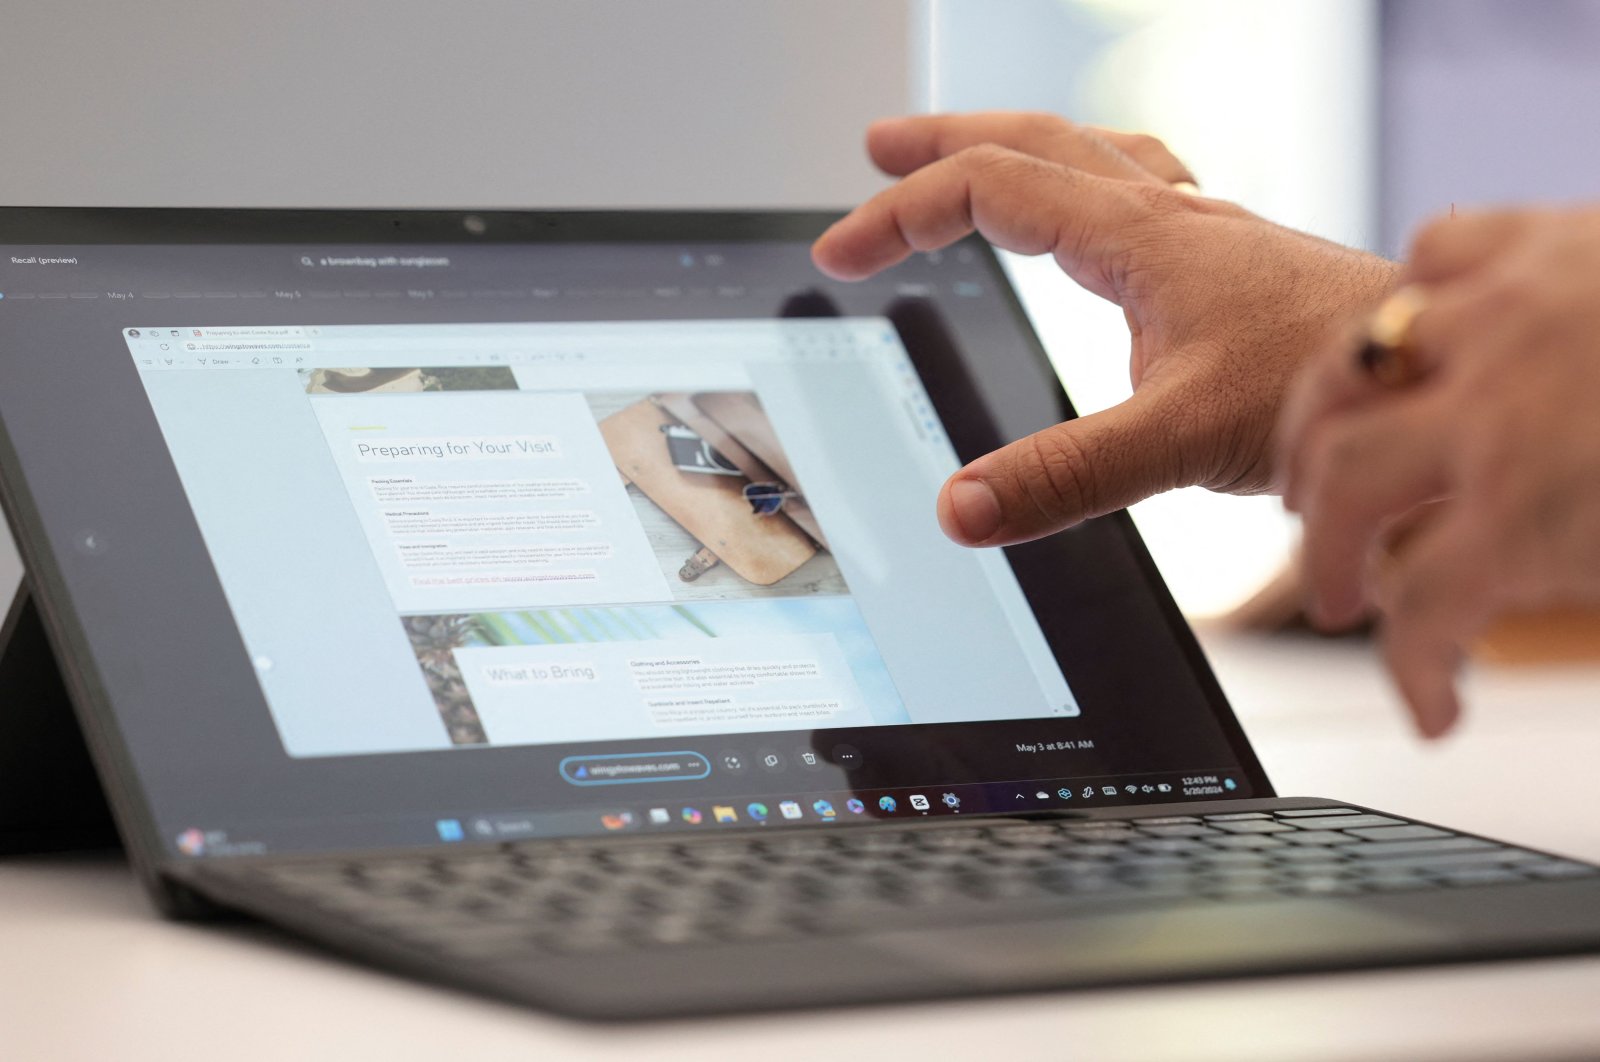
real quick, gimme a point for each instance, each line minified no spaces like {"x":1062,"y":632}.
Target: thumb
{"x":1061,"y":476}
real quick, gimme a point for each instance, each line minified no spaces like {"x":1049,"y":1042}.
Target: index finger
{"x":1015,"y":201}
{"x":903,"y":145}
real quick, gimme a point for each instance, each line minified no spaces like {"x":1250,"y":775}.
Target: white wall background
{"x":464,"y":103}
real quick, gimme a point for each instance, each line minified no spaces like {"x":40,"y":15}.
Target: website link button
{"x":624,"y":768}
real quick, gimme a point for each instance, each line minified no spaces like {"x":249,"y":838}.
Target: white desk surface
{"x":87,"y":971}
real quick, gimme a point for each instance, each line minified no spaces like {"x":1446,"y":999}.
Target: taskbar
{"x":691,"y":813}
{"x":905,"y":803}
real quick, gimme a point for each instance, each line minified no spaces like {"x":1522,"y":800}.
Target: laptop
{"x":552,"y":605}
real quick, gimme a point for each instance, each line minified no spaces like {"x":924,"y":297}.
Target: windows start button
{"x":623,"y":768}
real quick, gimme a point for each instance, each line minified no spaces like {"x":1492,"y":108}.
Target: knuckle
{"x":987,"y":157}
{"x":1159,"y":202}
{"x":1043,"y":124}
{"x":1146,"y":145}
{"x":1054,"y":473}
{"x":999,"y":172}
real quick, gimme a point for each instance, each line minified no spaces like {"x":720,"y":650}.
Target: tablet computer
{"x":438,"y":583}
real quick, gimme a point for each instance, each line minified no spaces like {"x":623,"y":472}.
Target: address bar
{"x":269,"y":345}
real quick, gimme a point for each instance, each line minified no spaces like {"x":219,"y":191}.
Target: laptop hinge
{"x":50,"y":796}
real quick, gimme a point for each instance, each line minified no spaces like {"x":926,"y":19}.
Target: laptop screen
{"x":516,"y":540}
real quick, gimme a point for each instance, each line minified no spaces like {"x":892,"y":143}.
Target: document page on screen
{"x":459,"y":535}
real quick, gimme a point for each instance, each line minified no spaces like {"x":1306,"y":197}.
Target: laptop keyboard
{"x":582,"y":896}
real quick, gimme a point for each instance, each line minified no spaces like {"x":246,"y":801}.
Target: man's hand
{"x":1223,"y":306}
{"x":1475,"y":492}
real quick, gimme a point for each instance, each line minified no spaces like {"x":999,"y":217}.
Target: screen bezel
{"x":177,"y":226}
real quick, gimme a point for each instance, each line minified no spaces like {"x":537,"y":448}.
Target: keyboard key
{"x":1105,"y":837}
{"x":961,"y":842}
{"x":1171,"y":845}
{"x":1093,"y":851}
{"x":1024,"y":835}
{"x":1309,"y":853}
{"x":1390,"y":884}
{"x":1061,"y":881}
{"x":1390,"y":849}
{"x":1518,"y":855}
{"x":1247,"y":840}
{"x":1324,"y":886}
{"x":1398,"y":833}
{"x":1300,"y":813}
{"x":1441,"y":860}
{"x":1324,"y":837}
{"x":1345,"y":822}
{"x":1165,"y":820}
{"x":639,"y":857}
{"x":473,"y":868}
{"x":1014,"y":855}
{"x":1319,"y":870}
{"x":1238,"y":816}
{"x":1141,"y":862}
{"x":1561,"y":869}
{"x":1235,"y":858}
{"x":872,"y":840}
{"x":800,"y":844}
{"x":1480,"y":876}
{"x":1097,"y":824}
{"x":1254,"y":826}
{"x":1185,"y":830}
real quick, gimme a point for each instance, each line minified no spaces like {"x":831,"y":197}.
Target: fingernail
{"x":1435,"y":722}
{"x":975,"y":508}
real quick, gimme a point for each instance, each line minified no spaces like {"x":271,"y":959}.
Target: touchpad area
{"x":1175,"y":942}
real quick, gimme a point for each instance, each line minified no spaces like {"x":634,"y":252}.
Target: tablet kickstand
{"x":50,"y":796}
